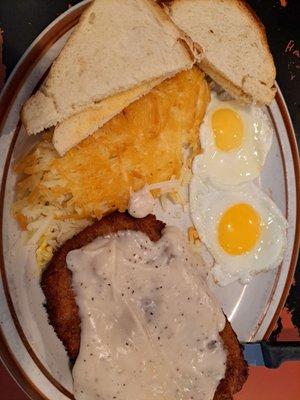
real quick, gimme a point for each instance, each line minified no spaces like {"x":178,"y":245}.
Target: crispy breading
{"x":56,"y":280}
{"x":63,"y":313}
{"x":236,"y":367}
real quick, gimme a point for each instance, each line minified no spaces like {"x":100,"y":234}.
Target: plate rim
{"x":18,"y":76}
{"x":284,"y":112}
{"x":16,"y":80}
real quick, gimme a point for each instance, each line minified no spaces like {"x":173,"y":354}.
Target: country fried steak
{"x":56,"y":283}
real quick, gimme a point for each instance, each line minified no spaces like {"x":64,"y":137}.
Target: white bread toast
{"x":133,"y":46}
{"x":116,"y":46}
{"x":236,"y":54}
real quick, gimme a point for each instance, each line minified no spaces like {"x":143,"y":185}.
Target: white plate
{"x":28,"y":345}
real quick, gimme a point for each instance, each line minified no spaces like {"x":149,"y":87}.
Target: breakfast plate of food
{"x":149,"y":201}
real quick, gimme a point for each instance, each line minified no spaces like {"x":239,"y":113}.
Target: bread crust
{"x":63,"y":311}
{"x":228,"y":86}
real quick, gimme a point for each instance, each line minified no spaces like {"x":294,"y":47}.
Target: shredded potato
{"x":193,"y":235}
{"x":142,"y":145}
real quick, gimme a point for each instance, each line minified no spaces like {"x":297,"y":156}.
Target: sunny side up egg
{"x":235,"y":141}
{"x":242,"y":228}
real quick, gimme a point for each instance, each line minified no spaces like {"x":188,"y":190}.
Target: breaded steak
{"x":56,"y":283}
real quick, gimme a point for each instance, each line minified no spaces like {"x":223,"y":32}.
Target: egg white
{"x":209,"y":201}
{"x":238,"y":165}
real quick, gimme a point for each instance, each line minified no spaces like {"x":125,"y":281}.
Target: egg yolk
{"x":239,"y":229}
{"x":228,"y":129}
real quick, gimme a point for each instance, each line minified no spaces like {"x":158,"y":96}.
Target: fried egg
{"x":235,"y":141}
{"x":241,"y":226}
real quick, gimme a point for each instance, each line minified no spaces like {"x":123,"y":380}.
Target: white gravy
{"x":149,"y":326}
{"x":141,"y":203}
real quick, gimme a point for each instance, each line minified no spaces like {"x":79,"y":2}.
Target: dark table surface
{"x":22,"y":20}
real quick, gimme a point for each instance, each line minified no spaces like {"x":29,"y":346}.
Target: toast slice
{"x":63,"y":312}
{"x":236,"y":54}
{"x":116,"y":46}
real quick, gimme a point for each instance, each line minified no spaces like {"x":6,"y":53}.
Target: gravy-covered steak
{"x":59,"y":285}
